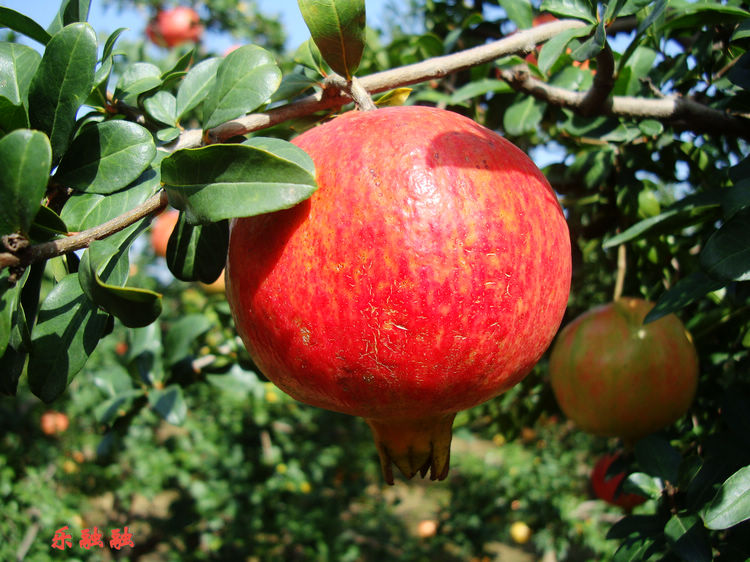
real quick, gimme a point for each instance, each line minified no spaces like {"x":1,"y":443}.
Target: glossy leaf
{"x":237,"y":180}
{"x":68,"y":329}
{"x":23,"y":24}
{"x":644,"y":484}
{"x":137,"y":78}
{"x":578,"y":9}
{"x":197,"y":252}
{"x":12,"y":116}
{"x":473,"y":89}
{"x":169,"y":403}
{"x":196,"y":85}
{"x":687,"y":537}
{"x":134,"y":307}
{"x":686,"y":291}
{"x":106,"y":156}
{"x":71,"y":11}
{"x":338,"y":29}
{"x":162,"y":107}
{"x":47,"y":225}
{"x":555,"y":47}
{"x":25,"y":160}
{"x":731,"y":504}
{"x":87,"y":210}
{"x":692,"y":206}
{"x":727,"y":252}
{"x":245,"y":79}
{"x":18,"y":63}
{"x":109,"y":410}
{"x":61,"y":84}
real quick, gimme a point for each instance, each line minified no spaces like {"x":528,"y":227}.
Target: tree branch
{"x":46,"y":250}
{"x":437,"y":67}
{"x":681,"y":113}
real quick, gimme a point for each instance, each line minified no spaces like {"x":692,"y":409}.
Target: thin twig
{"x":46,"y":250}
{"x":621,"y":269}
{"x":679,"y":112}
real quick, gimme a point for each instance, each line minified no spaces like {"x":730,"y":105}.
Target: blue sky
{"x":105,"y":20}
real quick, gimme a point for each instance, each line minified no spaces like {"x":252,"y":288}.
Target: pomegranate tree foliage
{"x":642,"y":113}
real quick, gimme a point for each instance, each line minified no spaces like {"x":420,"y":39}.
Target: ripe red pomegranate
{"x":427,"y":274}
{"x":175,"y":26}
{"x":608,"y":488}
{"x":614,"y":376}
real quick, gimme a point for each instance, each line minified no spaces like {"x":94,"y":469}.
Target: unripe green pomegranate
{"x":615,"y":376}
{"x":428,"y":274}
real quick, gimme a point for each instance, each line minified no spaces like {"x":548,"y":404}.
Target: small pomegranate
{"x":175,"y":26}
{"x":614,"y":376}
{"x":608,"y":488}
{"x":428,"y":274}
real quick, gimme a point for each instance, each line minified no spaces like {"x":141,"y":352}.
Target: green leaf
{"x":68,"y":329}
{"x":658,"y":458}
{"x":308,"y":55}
{"x":519,"y":12}
{"x":523,"y":116}
{"x":644,"y":484}
{"x":726,"y":254}
{"x":134,"y":307}
{"x":162,"y":107}
{"x":183,"y":334}
{"x":109,"y":410}
{"x":245,"y":79}
{"x":224,"y":181}
{"x":338,"y":29}
{"x":106,"y":156}
{"x":18,"y":63}
{"x":169,"y":403}
{"x":651,"y":127}
{"x":198,"y":252}
{"x":592,"y":46}
{"x":695,"y":206}
{"x":687,"y":537}
{"x":555,"y":47}
{"x":478,"y":88}
{"x":686,"y":291}
{"x":578,"y":9}
{"x":61,"y":84}
{"x":293,"y":85}
{"x":24,"y":25}
{"x":12,"y":116}
{"x":196,"y":85}
{"x":71,"y":11}
{"x":98,"y":97}
{"x":699,"y":14}
{"x":47,"y":225}
{"x":137,"y":78}
{"x":25,"y":161}
{"x":147,"y":352}
{"x":87,"y":210}
{"x":731,"y":504}
{"x":10,"y":294}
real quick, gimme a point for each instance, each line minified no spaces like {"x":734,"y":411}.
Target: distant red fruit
{"x":173,"y":27}
{"x":608,"y":488}
{"x":53,"y":422}
{"x":161,"y":229}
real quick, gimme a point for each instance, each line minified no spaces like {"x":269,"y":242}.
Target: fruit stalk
{"x":414,"y":446}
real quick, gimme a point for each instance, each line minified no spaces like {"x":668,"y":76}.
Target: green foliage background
{"x":175,"y":434}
